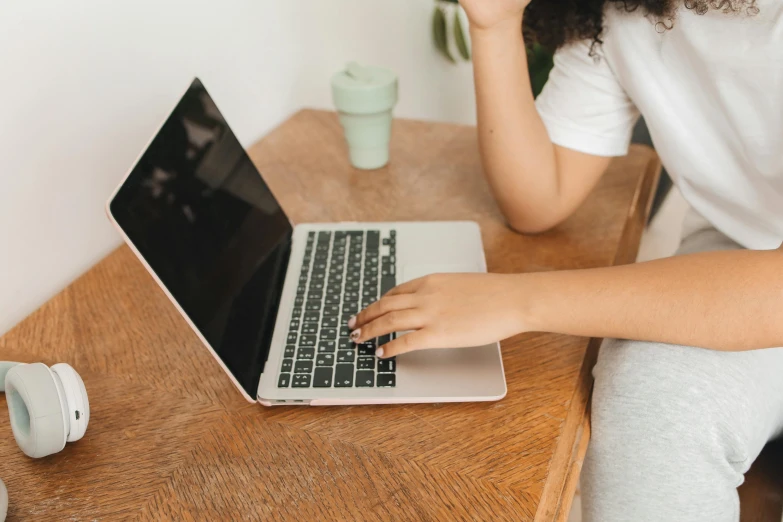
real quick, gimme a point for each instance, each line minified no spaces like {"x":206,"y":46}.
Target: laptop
{"x":271,"y":300}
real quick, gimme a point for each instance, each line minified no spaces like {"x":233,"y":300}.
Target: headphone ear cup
{"x":77,"y":404}
{"x":37,"y":410}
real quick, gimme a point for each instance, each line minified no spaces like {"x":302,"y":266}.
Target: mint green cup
{"x":365,"y":98}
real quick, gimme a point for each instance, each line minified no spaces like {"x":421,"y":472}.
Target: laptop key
{"x":351,"y":308}
{"x":387,"y":365}
{"x":387,"y":380}
{"x":301,"y":380}
{"x":287,"y":365}
{"x":322,"y":378}
{"x":303,"y":367}
{"x":366,"y":363}
{"x":329,"y":322}
{"x":343,"y":376}
{"x":284,"y":380}
{"x":324,"y":359}
{"x":332,"y":310}
{"x":307,"y":340}
{"x":366,"y":350}
{"x":346,"y":344}
{"x":365,"y":378}
{"x":289,"y":351}
{"x":383,"y":339}
{"x":296,"y":312}
{"x":346,"y":356}
{"x":305,"y":354}
{"x":294,"y":324}
{"x":313,"y":306}
{"x":310,"y":328}
{"x":329,"y":333}
{"x":291,"y":338}
{"x":312,"y":317}
{"x":332,"y":299}
{"x":326,"y":346}
{"x":387,"y":283}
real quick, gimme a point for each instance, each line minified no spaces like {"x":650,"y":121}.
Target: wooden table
{"x":171,"y":439}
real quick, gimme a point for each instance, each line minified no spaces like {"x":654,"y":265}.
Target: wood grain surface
{"x":170,"y":438}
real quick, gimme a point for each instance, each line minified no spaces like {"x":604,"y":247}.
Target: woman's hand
{"x":486,"y":14}
{"x":444,"y":311}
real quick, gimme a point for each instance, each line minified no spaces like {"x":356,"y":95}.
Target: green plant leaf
{"x":459,"y":36}
{"x":439,"y":33}
{"x":540,"y":63}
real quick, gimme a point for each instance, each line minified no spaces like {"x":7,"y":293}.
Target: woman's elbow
{"x":531,"y":227}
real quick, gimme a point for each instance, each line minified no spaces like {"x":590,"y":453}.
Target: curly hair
{"x":554,"y":23}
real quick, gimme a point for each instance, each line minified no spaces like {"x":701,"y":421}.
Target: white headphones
{"x":48,"y":407}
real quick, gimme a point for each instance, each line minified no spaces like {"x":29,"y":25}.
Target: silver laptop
{"x":271,"y":300}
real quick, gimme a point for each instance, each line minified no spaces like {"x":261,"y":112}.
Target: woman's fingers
{"x":418,"y":340}
{"x":394,"y":321}
{"x":384,"y":305}
{"x":405,"y":288}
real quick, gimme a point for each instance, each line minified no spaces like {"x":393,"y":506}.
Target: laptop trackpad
{"x":417,"y":270}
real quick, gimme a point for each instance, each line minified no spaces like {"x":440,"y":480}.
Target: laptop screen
{"x":200,"y":214}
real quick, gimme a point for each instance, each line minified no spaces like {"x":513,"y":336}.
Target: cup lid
{"x":364,"y":89}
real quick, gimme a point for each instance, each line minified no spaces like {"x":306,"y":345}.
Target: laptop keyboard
{"x":342,"y":273}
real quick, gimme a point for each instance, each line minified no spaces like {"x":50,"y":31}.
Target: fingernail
{"x":379,"y":352}
{"x":352,"y":321}
{"x":355,"y":334}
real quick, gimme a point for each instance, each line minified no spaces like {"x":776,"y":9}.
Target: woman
{"x":680,"y":412}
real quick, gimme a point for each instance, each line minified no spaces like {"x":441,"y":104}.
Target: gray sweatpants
{"x":675,"y":428}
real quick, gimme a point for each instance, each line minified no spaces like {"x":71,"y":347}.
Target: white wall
{"x":83,"y":84}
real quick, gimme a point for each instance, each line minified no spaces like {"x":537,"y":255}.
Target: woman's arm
{"x":719,"y":300}
{"x":537,"y":184}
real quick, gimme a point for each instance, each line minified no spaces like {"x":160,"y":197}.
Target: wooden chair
{"x":761,"y":496}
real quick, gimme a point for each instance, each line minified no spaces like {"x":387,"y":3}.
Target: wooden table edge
{"x":562,"y":481}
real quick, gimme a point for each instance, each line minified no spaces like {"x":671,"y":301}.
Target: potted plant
{"x":452,"y":39}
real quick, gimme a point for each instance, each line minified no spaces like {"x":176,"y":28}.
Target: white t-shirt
{"x":711,"y":92}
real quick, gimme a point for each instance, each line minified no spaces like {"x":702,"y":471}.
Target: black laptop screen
{"x":202,"y":217}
